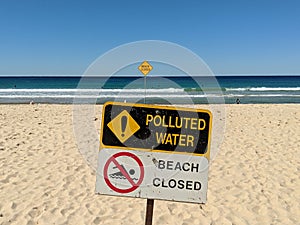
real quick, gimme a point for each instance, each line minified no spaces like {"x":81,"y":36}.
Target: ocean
{"x":167,"y":89}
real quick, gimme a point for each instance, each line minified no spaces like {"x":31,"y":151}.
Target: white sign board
{"x":153,"y":175}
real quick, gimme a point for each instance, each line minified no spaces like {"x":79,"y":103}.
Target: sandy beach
{"x":254,"y":179}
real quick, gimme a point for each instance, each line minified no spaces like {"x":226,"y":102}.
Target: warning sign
{"x":152,"y":127}
{"x":123,"y":172}
{"x":145,"y":68}
{"x":137,"y":146}
{"x":123,"y":126}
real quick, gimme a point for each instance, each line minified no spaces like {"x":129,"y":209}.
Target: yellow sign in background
{"x":145,"y":68}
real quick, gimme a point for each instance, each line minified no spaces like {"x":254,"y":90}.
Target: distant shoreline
{"x":150,"y":75}
{"x":168,"y":89}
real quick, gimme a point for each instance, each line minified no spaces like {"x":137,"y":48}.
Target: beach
{"x":254,"y":178}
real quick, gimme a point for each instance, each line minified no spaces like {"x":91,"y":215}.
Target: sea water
{"x":152,"y":89}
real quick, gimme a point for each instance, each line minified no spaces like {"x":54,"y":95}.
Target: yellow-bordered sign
{"x":156,"y":128}
{"x":145,"y":68}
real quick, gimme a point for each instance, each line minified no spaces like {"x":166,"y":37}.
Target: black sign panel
{"x":152,"y":127}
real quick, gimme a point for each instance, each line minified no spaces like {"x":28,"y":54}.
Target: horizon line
{"x":137,"y":75}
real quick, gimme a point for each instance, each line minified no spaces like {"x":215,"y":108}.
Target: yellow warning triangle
{"x":123,"y":126}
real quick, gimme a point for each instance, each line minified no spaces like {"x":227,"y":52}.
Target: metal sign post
{"x":145,"y":88}
{"x":145,"y":68}
{"x":149,"y":211}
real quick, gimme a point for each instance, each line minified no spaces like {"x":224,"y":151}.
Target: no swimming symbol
{"x":114,"y":169}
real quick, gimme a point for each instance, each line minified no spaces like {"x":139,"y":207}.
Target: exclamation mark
{"x":123,"y":125}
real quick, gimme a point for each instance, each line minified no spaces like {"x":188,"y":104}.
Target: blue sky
{"x":232,"y":37}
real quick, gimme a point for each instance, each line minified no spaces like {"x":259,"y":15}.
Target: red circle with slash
{"x":113,"y":159}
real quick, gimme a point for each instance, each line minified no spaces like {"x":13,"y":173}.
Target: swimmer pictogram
{"x":119,"y":175}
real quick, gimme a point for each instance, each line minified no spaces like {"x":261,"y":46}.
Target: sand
{"x":254,"y":179}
